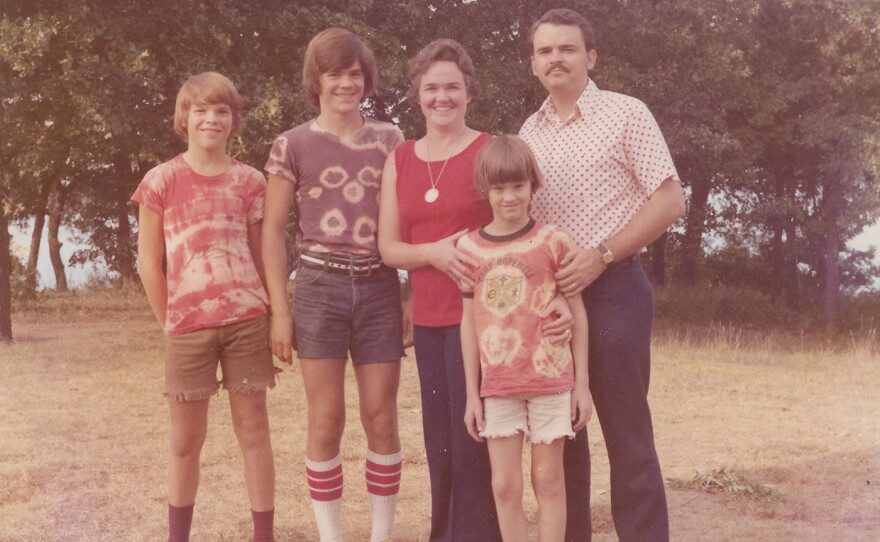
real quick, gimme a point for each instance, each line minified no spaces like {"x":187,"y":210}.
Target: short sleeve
{"x":646,"y":149}
{"x":256,"y":197}
{"x":281,"y":159}
{"x":560,"y":245}
{"x":152,"y":192}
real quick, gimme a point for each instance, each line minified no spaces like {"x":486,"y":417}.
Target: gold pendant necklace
{"x":432,"y":193}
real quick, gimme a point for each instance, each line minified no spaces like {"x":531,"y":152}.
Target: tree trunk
{"x":5,"y":278}
{"x":831,"y":211}
{"x":30,"y":276}
{"x":124,"y":250}
{"x":56,"y":212}
{"x":657,"y":268}
{"x":695,"y":225}
{"x":124,"y":257}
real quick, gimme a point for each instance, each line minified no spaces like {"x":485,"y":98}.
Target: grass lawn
{"x":785,"y":431}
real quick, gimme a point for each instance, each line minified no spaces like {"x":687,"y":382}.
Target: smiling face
{"x":560,"y":60}
{"x":208,"y":126}
{"x":510,"y":204}
{"x":443,"y":95}
{"x":342,"y":90}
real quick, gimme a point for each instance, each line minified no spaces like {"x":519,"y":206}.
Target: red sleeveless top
{"x":436,"y":297}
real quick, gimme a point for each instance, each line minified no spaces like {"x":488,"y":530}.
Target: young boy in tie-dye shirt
{"x":520,"y":384}
{"x":202,"y":211}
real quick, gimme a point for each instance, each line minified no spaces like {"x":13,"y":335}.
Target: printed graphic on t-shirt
{"x":514,"y":286}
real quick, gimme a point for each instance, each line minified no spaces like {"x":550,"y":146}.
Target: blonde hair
{"x":206,"y":88}
{"x":505,"y":159}
{"x":336,"y":49}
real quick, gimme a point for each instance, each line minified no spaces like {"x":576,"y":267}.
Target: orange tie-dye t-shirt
{"x":211,"y":275}
{"x":514,"y":286}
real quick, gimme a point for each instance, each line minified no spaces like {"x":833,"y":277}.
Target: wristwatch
{"x":607,"y":255}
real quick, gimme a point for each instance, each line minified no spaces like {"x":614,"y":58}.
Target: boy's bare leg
{"x":250,"y":419}
{"x":324,"y":381}
{"x":189,"y":427}
{"x":505,"y":455}
{"x":377,"y":391}
{"x":548,"y":481}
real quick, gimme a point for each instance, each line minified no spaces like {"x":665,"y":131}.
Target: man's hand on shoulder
{"x":579,"y":269}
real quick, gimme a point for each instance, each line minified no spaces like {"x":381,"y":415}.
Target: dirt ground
{"x":83,"y":433}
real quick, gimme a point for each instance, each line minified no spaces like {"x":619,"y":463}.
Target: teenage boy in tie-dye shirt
{"x":346,"y":301}
{"x":202,"y":212}
{"x":520,"y":384}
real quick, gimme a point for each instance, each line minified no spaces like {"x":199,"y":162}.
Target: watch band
{"x":607,"y":255}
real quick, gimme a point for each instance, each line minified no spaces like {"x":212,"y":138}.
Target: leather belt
{"x":357,"y":266}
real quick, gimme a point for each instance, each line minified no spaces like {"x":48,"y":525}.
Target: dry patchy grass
{"x":84,"y":435}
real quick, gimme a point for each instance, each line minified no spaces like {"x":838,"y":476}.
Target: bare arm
{"x":254,"y":244}
{"x":279,"y":196}
{"x":397,"y":253}
{"x":473,"y":414}
{"x":581,"y":267}
{"x":581,"y":402}
{"x":151,"y":249}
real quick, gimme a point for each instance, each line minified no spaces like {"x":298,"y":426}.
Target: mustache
{"x":559,"y":65}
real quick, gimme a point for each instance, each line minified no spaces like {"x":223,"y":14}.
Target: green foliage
{"x":725,"y":480}
{"x":771,"y":110}
{"x":738,"y":305}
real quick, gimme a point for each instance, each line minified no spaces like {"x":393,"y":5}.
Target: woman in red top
{"x":428,"y":201}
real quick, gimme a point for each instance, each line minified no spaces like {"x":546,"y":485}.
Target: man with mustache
{"x":610,"y":182}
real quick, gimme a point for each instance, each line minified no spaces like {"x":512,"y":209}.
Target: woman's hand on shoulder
{"x":446,"y":257}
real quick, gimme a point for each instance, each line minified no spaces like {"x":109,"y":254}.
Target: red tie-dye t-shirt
{"x":212,"y":278}
{"x":514,"y":286}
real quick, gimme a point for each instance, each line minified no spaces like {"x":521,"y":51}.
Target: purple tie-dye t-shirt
{"x":212,"y":279}
{"x":337,"y":183}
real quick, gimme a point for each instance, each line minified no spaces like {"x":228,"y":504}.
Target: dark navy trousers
{"x":620,"y":310}
{"x":462,"y":504}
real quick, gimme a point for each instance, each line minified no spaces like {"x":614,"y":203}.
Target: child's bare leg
{"x":324,"y":381}
{"x":250,"y":419}
{"x":377,"y":390}
{"x":548,"y":480}
{"x":189,"y":427}
{"x":505,"y":455}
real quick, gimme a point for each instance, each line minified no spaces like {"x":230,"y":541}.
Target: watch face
{"x":608,"y":257}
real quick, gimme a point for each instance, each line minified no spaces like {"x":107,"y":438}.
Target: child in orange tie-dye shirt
{"x":520,"y":384}
{"x":202,"y":211}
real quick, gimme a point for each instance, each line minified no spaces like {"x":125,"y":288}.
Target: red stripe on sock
{"x":324,"y":474}
{"x":383,"y":479}
{"x":326,"y":495}
{"x":383,"y":469}
{"x":383,"y":491}
{"x":323,"y":485}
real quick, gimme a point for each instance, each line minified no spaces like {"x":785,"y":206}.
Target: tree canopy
{"x":770,"y":108}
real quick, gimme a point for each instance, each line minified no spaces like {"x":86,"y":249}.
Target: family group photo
{"x":453,"y":270}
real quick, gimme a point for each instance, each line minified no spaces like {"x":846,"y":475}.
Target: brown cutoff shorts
{"x":242,"y":349}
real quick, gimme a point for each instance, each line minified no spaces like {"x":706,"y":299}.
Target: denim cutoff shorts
{"x":336,"y":315}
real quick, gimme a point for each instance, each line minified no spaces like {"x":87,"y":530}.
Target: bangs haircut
{"x":564,"y":17}
{"x":207,"y":88}
{"x":505,"y":159}
{"x":336,"y":49}
{"x":437,"y":51}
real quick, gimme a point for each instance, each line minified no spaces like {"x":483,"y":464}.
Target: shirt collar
{"x":547,"y":111}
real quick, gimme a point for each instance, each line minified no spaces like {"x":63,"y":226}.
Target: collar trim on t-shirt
{"x":510,"y":236}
